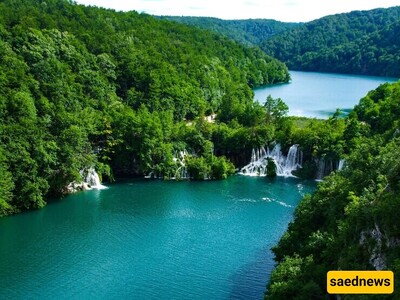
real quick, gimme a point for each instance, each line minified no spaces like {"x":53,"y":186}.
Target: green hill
{"x":84,"y":87}
{"x":360,"y":42}
{"x":351,"y":222}
{"x":249,"y":32}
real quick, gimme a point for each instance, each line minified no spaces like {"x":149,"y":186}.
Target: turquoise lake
{"x":150,"y":239}
{"x":313,"y":94}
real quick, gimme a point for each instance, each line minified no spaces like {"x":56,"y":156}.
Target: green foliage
{"x":322,"y":138}
{"x":380,"y":109}
{"x":350,"y":222}
{"x":360,"y":42}
{"x":201,"y":168}
{"x":84,"y":86}
{"x":221,"y":168}
{"x":276,"y":109}
{"x":291,"y":281}
{"x":198,"y":168}
{"x":248,"y":32}
{"x":6,"y":187}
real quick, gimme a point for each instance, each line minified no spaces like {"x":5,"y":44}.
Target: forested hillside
{"x":360,"y":42}
{"x":84,"y":87}
{"x":249,"y":32}
{"x":351,"y":222}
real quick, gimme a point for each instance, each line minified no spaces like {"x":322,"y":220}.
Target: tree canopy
{"x":84,"y":87}
{"x":251,"y":32}
{"x":359,"y":42}
{"x":350,"y":222}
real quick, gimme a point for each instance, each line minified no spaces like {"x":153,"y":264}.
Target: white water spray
{"x":340,"y":164}
{"x":180,"y":160}
{"x":284,"y":165}
{"x":92,"y":180}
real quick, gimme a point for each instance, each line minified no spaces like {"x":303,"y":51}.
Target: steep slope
{"x":351,"y":222}
{"x":83,"y":87}
{"x":360,"y":42}
{"x":249,"y":32}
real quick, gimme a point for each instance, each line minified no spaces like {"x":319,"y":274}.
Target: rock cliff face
{"x":376,"y":243}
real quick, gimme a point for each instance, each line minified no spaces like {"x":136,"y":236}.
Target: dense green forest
{"x":85,"y":87}
{"x":249,"y":32}
{"x":360,"y":42}
{"x":125,"y":93}
{"x":351,"y":222}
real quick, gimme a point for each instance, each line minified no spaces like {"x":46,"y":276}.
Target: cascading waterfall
{"x":92,"y":180}
{"x":340,"y":164}
{"x":180,"y":161}
{"x":294,"y":160}
{"x":326,"y":166}
{"x":284,"y":165}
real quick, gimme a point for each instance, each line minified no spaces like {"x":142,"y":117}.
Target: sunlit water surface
{"x":313,"y":94}
{"x":150,"y":240}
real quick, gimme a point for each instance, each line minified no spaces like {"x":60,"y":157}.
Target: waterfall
{"x":92,"y":180}
{"x":180,"y":161}
{"x":284,"y":165}
{"x":340,"y":164}
{"x":320,"y":168}
{"x":293,"y":160}
{"x":326,"y":166}
{"x":150,"y":175}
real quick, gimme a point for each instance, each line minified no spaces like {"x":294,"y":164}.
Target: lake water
{"x":150,"y":240}
{"x":174,"y":240}
{"x":312,"y":94}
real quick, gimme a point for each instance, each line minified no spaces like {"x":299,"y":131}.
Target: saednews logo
{"x":360,"y":282}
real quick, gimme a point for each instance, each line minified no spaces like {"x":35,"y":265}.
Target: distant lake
{"x":312,"y":94}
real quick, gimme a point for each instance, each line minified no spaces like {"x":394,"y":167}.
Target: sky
{"x":282,"y":10}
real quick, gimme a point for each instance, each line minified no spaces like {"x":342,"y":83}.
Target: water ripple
{"x":149,"y":240}
{"x":276,"y":201}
